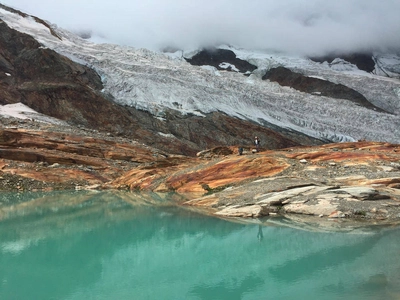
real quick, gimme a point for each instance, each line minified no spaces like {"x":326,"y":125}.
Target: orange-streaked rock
{"x":230,"y":171}
{"x":360,"y":179}
{"x":58,"y":158}
{"x":352,"y":157}
{"x":196,"y":175}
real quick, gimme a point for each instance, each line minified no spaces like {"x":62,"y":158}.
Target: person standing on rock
{"x":240,"y":150}
{"x":257,"y":143}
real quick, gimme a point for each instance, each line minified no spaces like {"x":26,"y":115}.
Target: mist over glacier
{"x":307,"y":27}
{"x":156,"y":82}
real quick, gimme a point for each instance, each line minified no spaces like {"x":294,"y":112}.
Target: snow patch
{"x":211,"y":69}
{"x":167,"y":135}
{"x":397,"y":92}
{"x":317,"y":77}
{"x":21,"y":111}
{"x":339,"y":64}
{"x":174,"y":55}
{"x":25,"y":25}
{"x":17,"y":110}
{"x":387,"y":65}
{"x":188,"y":54}
{"x":226,"y":65}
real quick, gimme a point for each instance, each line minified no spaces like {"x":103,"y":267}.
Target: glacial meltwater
{"x":121,"y":245}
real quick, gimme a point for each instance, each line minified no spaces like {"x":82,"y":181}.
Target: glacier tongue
{"x":155,"y":81}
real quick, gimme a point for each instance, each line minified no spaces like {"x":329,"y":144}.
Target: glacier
{"x":155,"y":82}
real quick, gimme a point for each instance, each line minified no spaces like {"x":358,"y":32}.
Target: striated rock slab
{"x":251,"y":211}
{"x":202,"y":176}
{"x":280,"y":198}
{"x":320,"y":207}
{"x":359,"y":192}
{"x":31,"y":160}
{"x":339,"y":181}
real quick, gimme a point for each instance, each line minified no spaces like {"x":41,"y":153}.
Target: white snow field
{"x":154,"y":81}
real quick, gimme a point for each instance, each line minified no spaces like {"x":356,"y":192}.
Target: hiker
{"x":240,"y":150}
{"x":257,"y":143}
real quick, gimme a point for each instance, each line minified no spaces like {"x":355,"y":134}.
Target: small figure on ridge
{"x":257,"y":143}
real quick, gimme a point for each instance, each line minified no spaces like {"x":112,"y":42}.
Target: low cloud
{"x":310,"y":27}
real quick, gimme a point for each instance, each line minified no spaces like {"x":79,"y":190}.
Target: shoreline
{"x":353,"y":180}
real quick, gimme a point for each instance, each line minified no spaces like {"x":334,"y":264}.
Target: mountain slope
{"x":56,"y":86}
{"x":167,"y":85}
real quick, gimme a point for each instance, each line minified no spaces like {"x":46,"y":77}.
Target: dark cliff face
{"x":52,"y":84}
{"x":193,"y":133}
{"x":286,"y":77}
{"x":363,"y":61}
{"x":56,"y":86}
{"x":215,"y":57}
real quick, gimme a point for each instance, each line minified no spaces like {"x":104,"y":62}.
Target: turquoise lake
{"x":120,"y":245}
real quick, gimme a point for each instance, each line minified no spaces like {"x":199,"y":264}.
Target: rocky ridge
{"x":325,"y":187}
{"x":359,"y":180}
{"x":42,"y":156}
{"x":342,"y":181}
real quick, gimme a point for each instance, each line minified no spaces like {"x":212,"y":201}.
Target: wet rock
{"x":360,"y":193}
{"x":337,"y":214}
{"x":284,"y":197}
{"x":251,"y":211}
{"x":320,"y":207}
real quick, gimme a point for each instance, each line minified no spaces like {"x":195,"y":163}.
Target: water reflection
{"x":260,"y":234}
{"x":227,"y":290}
{"x":295,"y":269}
{"x":125,"y":246}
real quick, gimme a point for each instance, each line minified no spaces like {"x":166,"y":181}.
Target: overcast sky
{"x":302,"y":26}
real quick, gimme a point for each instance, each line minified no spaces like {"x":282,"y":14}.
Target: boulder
{"x":252,"y":211}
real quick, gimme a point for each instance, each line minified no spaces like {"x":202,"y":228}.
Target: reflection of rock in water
{"x":224,"y":289}
{"x":294,"y":269}
{"x":260,"y":234}
{"x":375,"y":282}
{"x":379,"y":283}
{"x":40,"y":215}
